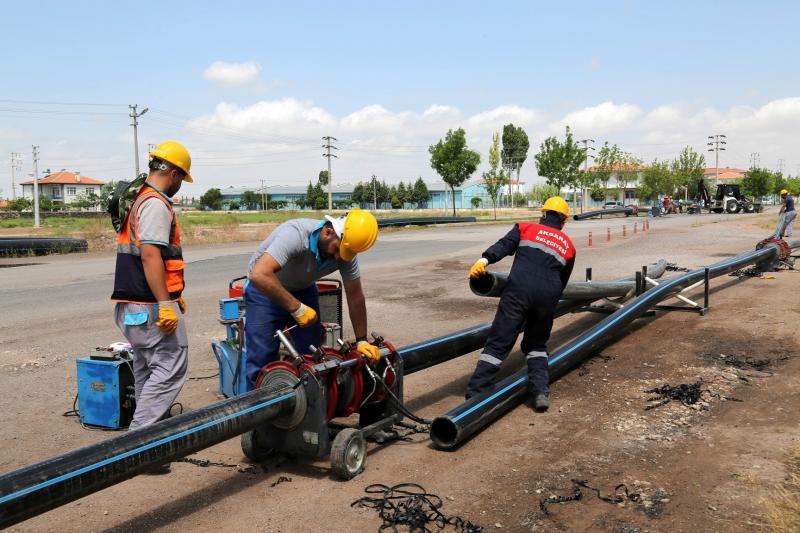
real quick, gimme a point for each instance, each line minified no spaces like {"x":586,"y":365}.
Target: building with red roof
{"x":63,"y":186}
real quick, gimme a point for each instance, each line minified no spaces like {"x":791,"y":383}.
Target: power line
{"x":39,"y":102}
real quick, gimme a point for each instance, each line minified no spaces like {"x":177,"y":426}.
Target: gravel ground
{"x":704,"y":467}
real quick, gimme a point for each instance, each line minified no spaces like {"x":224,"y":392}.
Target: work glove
{"x":370,"y":351}
{"x":167,"y":318}
{"x":304,"y":315}
{"x":182,"y":305}
{"x":479,"y":268}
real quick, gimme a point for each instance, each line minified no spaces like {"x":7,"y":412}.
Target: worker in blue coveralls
{"x":281,"y":287}
{"x":543,"y":260}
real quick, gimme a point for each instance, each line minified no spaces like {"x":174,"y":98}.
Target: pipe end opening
{"x":444,"y":433}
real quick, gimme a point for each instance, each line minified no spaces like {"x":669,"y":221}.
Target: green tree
{"x":608,"y":161}
{"x":357,"y":196}
{"x":319,"y":192}
{"x":402,"y":193}
{"x":383,"y":193}
{"x":301,"y":202}
{"x":311,"y":196}
{"x":395,"y":201}
{"x":82,"y":201}
{"x":791,"y":184}
{"x":588,"y":181}
{"x":252,"y":200}
{"x":453,"y":161}
{"x":688,"y":168}
{"x":320,"y":203}
{"x":323,"y":177}
{"x":540,"y":193}
{"x":20,"y":204}
{"x":494,"y":179}
{"x":475,"y":201}
{"x":758,"y":182}
{"x":656,"y":179}
{"x":105,"y":192}
{"x":233,"y":205}
{"x":560,"y":163}
{"x":212,"y":199}
{"x":421,"y":193}
{"x":515,"y":151}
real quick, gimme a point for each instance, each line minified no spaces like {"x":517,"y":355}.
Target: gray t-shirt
{"x":290,"y":245}
{"x":155,"y":222}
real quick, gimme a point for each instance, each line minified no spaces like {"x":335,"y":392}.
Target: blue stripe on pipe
{"x":146,"y":447}
{"x":490,"y":398}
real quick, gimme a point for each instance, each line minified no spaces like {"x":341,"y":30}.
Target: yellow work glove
{"x":479,"y":268}
{"x":182,"y":305}
{"x":305,"y":315}
{"x":167,"y":318}
{"x":371,"y":352}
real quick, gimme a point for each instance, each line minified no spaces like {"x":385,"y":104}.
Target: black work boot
{"x":539,"y":382}
{"x":481,"y":379}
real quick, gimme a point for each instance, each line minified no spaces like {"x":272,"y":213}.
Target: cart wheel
{"x":252,"y":449}
{"x":348,"y":453}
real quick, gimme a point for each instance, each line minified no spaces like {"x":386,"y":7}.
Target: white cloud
{"x":601,"y":119}
{"x":233,"y":74}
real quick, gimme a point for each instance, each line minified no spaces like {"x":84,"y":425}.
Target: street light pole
{"x":135,"y":116}
{"x":35,"y":186}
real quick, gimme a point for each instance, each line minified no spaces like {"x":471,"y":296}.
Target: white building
{"x":63,"y":186}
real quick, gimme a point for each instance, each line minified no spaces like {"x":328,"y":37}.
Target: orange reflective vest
{"x":130,"y":284}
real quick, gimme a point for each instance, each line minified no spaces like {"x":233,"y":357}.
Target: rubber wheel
{"x":348,"y":453}
{"x":731,"y":206}
{"x":251,"y":448}
{"x":749,"y":208}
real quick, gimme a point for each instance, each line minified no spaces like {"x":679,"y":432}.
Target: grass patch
{"x":782,"y":506}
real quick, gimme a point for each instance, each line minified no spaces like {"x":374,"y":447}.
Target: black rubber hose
{"x":38,"y":488}
{"x":458,"y":424}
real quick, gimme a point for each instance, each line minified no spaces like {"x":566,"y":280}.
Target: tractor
{"x":729,"y":198}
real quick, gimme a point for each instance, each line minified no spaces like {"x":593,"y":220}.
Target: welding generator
{"x":106,"y":389}
{"x":231,"y":353}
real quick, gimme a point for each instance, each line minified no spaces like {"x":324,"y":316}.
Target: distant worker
{"x":544,"y":257}
{"x":786,"y":216}
{"x":281,"y":287}
{"x":148,"y":282}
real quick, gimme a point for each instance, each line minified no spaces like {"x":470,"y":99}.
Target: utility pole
{"x":16,"y":164}
{"x":716,"y":144}
{"x":263,"y":195}
{"x":135,"y":116}
{"x":781,"y":165}
{"x":586,"y":149}
{"x":328,"y":146}
{"x":755,"y":159}
{"x":35,"y":186}
{"x":374,"y":191}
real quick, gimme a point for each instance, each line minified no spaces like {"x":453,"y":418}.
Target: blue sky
{"x":388,"y":79}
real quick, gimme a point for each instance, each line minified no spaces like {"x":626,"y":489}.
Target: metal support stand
{"x":692,"y":306}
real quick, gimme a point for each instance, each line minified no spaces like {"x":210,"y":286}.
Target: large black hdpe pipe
{"x":492,"y":284}
{"x":35,"y":489}
{"x":458,"y":424}
{"x":422,"y":221}
{"x":24,"y":246}
{"x":627,"y":211}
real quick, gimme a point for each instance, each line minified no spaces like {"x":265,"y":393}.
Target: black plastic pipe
{"x":492,"y":284}
{"x":627,"y":211}
{"x":458,"y":424}
{"x":43,"y":486}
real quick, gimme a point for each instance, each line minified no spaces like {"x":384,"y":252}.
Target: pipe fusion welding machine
{"x":106,"y":389}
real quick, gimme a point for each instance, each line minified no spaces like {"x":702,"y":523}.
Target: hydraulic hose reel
{"x":330,"y":384}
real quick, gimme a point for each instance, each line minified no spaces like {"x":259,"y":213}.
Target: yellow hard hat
{"x":556,"y":204}
{"x":358,"y":234}
{"x":784,"y":192}
{"x":175,"y":153}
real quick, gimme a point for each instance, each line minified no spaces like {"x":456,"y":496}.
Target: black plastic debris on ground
{"x":672,"y":267}
{"x":686,"y":393}
{"x":749,"y":272}
{"x":744,"y":362}
{"x":408,"y":505}
{"x":282,"y":479}
{"x":621,"y":494}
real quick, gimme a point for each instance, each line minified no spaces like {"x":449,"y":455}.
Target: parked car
{"x":612,"y":205}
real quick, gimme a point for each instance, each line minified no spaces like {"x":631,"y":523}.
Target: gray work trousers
{"x":785,"y":224}
{"x":159,"y":360}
